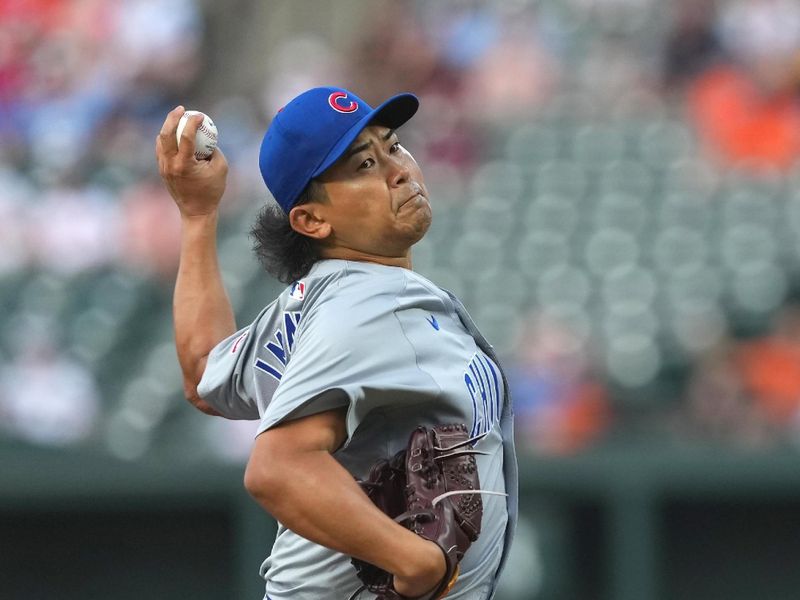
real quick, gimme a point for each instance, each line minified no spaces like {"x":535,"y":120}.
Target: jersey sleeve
{"x":352,"y":352}
{"x":225,"y":385}
{"x":230,"y":383}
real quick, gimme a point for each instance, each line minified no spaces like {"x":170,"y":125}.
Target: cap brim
{"x":392,"y":113}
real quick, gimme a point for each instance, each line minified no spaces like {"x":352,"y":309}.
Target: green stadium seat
{"x":499,"y":323}
{"x":759,"y":288}
{"x":560,"y":177}
{"x":622,"y":211}
{"x":684,"y":209}
{"x":501,"y":285}
{"x":563,"y":284}
{"x":572,"y":316}
{"x":11,"y":285}
{"x":540,"y":250}
{"x":791,"y":212}
{"x":692,"y":286}
{"x":626,"y":318}
{"x":93,"y":333}
{"x":663,"y":142}
{"x":596,"y":145}
{"x":498,"y":178}
{"x":566,"y":110}
{"x":749,"y":207}
{"x":533,"y":143}
{"x":632,"y":360}
{"x":745,"y":246}
{"x":550,"y":212}
{"x":627,"y":176}
{"x":678,"y":248}
{"x":609,"y":248}
{"x":691,"y":175}
{"x":697,"y":328}
{"x":491,"y":216}
{"x":116,"y":291}
{"x":46,"y":293}
{"x":474,"y":250}
{"x":629,"y":283}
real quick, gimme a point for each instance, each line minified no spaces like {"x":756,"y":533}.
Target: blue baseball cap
{"x":310,"y":133}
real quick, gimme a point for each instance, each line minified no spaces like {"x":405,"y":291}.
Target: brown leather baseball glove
{"x":432,"y":488}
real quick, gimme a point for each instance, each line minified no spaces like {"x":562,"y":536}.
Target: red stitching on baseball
{"x":206,"y":130}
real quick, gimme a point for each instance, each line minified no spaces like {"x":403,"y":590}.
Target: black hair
{"x":284,"y":253}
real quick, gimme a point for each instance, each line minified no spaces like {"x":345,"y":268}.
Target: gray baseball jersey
{"x":399,"y":352}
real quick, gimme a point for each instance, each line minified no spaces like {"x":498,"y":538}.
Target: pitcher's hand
{"x":426,"y":575}
{"x":195,"y":185}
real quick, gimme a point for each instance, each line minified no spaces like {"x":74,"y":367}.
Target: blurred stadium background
{"x":616,"y":188}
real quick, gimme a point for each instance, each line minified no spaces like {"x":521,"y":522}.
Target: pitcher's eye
{"x":366,"y":164}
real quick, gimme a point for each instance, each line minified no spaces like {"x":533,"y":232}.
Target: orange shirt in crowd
{"x":738,"y":122}
{"x":770,"y":369}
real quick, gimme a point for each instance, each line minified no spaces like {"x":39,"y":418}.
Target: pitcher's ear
{"x":307,"y":219}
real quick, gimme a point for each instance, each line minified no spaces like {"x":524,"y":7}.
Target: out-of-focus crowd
{"x":740,"y":65}
{"x":83,"y":87}
{"x":85,"y":84}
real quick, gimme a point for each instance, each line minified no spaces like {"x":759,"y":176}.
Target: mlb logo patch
{"x":298,"y":290}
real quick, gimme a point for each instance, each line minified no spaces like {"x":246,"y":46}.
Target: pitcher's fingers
{"x":217,"y":157}
{"x":161,"y":158}
{"x":159,"y":154}
{"x":217,"y":162}
{"x":169,"y":141}
{"x":186,"y":146}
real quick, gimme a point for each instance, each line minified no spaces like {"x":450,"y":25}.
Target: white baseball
{"x":206,"y":139}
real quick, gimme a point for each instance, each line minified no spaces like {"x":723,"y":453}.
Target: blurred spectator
{"x":166,"y":59}
{"x":763,"y":35}
{"x":560,"y":406}
{"x":303,"y":62}
{"x":150,"y":230}
{"x":692,"y":42}
{"x":397,"y":53}
{"x":73,"y":229}
{"x":747,"y":109}
{"x":742,"y":123}
{"x":45,"y":396}
{"x":514,"y":75}
{"x":770,"y":369}
{"x":80,"y":92}
{"x":718,"y":405}
{"x":748,"y":391}
{"x":83,"y":91}
{"x":473,"y":64}
{"x":393,"y":54}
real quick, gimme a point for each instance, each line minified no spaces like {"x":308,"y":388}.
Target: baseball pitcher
{"x":385,"y":446}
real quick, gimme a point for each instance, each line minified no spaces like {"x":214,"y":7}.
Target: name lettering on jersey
{"x":483,"y":384}
{"x":281,"y":345}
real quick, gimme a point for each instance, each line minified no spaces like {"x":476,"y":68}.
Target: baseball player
{"x":355,"y":353}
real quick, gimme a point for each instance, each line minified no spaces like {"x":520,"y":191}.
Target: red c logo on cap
{"x":333,"y":101}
